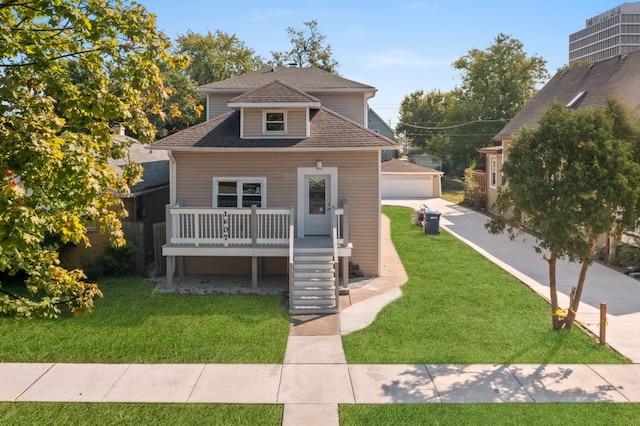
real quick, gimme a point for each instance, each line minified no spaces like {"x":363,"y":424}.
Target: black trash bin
{"x":431,"y":221}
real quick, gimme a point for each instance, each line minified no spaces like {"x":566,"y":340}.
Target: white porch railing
{"x":230,"y":226}
{"x":339,"y":223}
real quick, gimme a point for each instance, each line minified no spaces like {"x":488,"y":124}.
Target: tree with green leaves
{"x":69,"y":71}
{"x":216,"y":56}
{"x":212,"y":57}
{"x":496,"y":84}
{"x":421,"y":115}
{"x":308,"y":49}
{"x":183,"y":106}
{"x":573,"y":178}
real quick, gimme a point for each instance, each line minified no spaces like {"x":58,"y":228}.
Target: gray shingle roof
{"x":329,"y":130}
{"x":306,"y":79}
{"x":155,"y":166}
{"x":275,"y":92}
{"x":619,"y":77}
{"x":403,"y":166}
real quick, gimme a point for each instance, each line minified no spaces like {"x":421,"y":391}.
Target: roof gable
{"x":582,"y":87}
{"x":274,"y":93}
{"x":305,"y":79}
{"x":328,"y":130}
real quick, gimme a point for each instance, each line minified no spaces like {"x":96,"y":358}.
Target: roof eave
{"x":435,"y":172}
{"x":271,"y":149}
{"x":370,"y":90}
{"x":274,"y":104}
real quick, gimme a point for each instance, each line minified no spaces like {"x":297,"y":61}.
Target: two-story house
{"x":585,"y":86}
{"x":282,"y":178}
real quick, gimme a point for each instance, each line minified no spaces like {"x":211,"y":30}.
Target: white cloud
{"x":401,"y":58}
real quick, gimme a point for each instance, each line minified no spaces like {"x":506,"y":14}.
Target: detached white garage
{"x":401,"y":179}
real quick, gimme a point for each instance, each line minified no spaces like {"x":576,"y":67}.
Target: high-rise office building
{"x":614,"y":32}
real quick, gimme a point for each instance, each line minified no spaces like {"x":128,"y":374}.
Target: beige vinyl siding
{"x":492,"y":193}
{"x":351,"y":105}
{"x":358,"y":184}
{"x":218,"y":104}
{"x":253,"y":122}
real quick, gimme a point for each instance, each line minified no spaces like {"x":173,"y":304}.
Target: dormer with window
{"x":275,"y":122}
{"x":274,"y":110}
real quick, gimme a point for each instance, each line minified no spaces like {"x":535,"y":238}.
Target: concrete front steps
{"x":314,"y":282}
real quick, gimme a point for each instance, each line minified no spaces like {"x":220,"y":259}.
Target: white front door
{"x":317,"y":195}
{"x":317,"y":205}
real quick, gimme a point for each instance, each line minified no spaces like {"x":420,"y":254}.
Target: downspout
{"x":171,"y":260}
{"x":172,"y":178}
{"x":379,"y":224}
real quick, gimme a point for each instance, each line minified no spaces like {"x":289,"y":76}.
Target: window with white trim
{"x":274,"y":122}
{"x":493,"y":172}
{"x":230,"y":192}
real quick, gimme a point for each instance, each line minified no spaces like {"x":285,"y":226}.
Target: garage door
{"x":403,"y":187}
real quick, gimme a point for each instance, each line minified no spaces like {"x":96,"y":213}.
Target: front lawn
{"x":491,"y":414}
{"x":133,"y":323}
{"x":459,"y":308}
{"x":19,"y":414}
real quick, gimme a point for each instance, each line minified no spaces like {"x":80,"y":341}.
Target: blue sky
{"x":396,"y":46}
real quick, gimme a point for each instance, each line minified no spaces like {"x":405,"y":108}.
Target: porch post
{"x":345,"y":223}
{"x":254,"y":272}
{"x":254,"y":225}
{"x":170,"y":263}
{"x":345,"y":272}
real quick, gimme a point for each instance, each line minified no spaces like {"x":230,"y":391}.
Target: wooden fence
{"x":159,"y":238}
{"x":449,"y":183}
{"x":135,"y":232}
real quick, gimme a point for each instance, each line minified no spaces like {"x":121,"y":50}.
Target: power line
{"x":454,"y":126}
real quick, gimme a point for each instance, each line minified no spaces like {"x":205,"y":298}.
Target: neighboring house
{"x":580,"y":87}
{"x":283,"y":178}
{"x":425,"y":160}
{"x":145,"y":206}
{"x":377,"y":124}
{"x":401,"y":179}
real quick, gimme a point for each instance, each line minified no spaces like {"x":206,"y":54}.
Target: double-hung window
{"x":274,"y":122}
{"x":229,"y":192}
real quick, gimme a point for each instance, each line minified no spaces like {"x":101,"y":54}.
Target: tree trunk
{"x":556,"y":322}
{"x":575,"y":302}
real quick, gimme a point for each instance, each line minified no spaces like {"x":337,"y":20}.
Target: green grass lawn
{"x":490,"y":414}
{"x":133,"y":323}
{"x":455,"y":196}
{"x":18,"y":414}
{"x":459,"y":308}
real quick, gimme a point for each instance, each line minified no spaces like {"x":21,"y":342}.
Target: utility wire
{"x":454,"y":126}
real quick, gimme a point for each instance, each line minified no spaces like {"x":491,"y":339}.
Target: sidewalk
{"x":315,"y":377}
{"x":317,"y":383}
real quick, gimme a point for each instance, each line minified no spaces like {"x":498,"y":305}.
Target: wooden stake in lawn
{"x":603,"y":323}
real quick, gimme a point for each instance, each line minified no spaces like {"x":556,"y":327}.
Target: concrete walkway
{"x":315,"y":377}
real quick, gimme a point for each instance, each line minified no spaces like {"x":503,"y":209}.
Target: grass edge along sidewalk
{"x":134,"y":323}
{"x":459,"y":308}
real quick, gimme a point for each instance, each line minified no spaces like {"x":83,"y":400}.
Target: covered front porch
{"x":258,"y":233}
